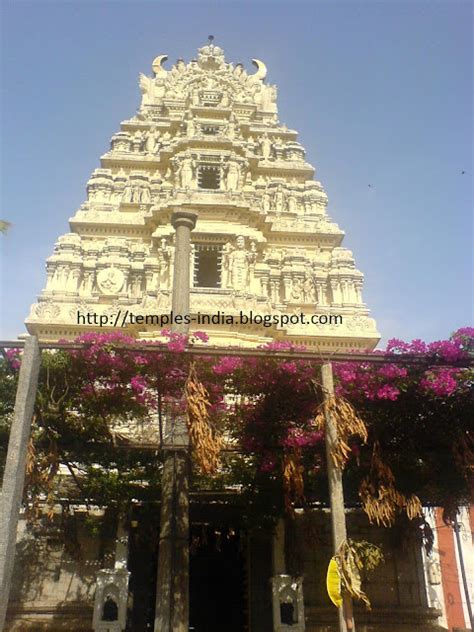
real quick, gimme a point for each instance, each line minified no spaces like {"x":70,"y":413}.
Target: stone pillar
{"x":278,"y":548}
{"x":183,"y":222}
{"x":14,"y":475}
{"x":336,"y":495}
{"x":121,"y":545}
{"x":172,"y":596}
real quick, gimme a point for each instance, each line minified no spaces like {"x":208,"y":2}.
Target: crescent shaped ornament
{"x":261,"y":69}
{"x":157,"y":67}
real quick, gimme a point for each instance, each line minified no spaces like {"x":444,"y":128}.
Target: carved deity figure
{"x":186,"y":171}
{"x":292,"y":203}
{"x":233,"y":176}
{"x":225,"y":101}
{"x":227,"y":250}
{"x":231,"y":128}
{"x":266,"y":146}
{"x":110,"y":280}
{"x":127,"y":193}
{"x":137,"y":141}
{"x":151,"y":143}
{"x":239,"y":265}
{"x":297,"y":290}
{"x":164,"y":258}
{"x":309,"y":289}
{"x":279,"y":199}
{"x":60,"y":277}
{"x":87,"y":282}
{"x":136,"y":286}
{"x":266,"y":202}
{"x":189,"y":125}
{"x":145,"y":197}
{"x":136,"y":193}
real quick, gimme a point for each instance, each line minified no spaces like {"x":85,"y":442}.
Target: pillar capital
{"x":183,"y":218}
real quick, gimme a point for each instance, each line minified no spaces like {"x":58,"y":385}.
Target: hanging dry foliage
{"x":348,"y":424}
{"x":381,"y":501}
{"x":40,"y":478}
{"x":293,"y":485}
{"x":352,"y":558}
{"x":205,"y":443}
{"x":463,"y":452}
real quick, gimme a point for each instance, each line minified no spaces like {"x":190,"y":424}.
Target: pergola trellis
{"x":14,"y":475}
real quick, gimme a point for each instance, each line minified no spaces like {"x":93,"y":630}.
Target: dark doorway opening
{"x":143,"y":566}
{"x":217,"y":579}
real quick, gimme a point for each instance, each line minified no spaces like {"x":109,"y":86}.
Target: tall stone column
{"x":172,"y":597}
{"x":336,"y":496}
{"x":14,"y":474}
{"x":278,"y":549}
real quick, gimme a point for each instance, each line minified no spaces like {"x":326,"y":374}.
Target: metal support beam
{"x":336,"y":495}
{"x":172,"y":596}
{"x":14,"y":475}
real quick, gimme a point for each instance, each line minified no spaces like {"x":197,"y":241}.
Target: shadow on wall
{"x":55,"y":572}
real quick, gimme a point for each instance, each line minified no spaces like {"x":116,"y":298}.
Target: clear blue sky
{"x":381,"y":93}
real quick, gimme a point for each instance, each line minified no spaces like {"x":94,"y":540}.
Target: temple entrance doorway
{"x":218,"y":590}
{"x":218,"y":586}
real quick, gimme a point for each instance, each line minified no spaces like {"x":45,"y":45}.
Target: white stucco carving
{"x":110,"y":280}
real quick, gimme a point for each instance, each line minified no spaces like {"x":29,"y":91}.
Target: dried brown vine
{"x":293,"y":485}
{"x":205,"y":442}
{"x":40,"y":479}
{"x":353,"y":557}
{"x":348,"y":424}
{"x":381,"y":501}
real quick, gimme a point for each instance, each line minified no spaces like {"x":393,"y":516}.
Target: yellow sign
{"x":333,"y":583}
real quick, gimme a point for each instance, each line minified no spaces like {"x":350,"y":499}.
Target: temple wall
{"x":53,"y":587}
{"x":396,"y":588}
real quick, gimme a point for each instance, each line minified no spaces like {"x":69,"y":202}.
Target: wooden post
{"x":336,"y":495}
{"x":14,"y":475}
{"x":172,"y":591}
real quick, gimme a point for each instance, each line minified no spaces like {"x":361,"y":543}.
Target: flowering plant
{"x":415,"y":400}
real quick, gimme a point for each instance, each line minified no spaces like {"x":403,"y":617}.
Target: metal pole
{"x":336,"y":495}
{"x":463,"y":572}
{"x":172,"y":591}
{"x":14,"y":475}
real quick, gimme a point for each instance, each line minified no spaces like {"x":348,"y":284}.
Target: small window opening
{"x":110,"y":609}
{"x":209,"y":177}
{"x":207,"y":265}
{"x":210,"y":130}
{"x":287,"y":613}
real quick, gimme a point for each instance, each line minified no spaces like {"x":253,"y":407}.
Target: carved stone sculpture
{"x":110,"y":280}
{"x":233,"y":176}
{"x":187,"y":172}
{"x":266,"y":147}
{"x":151,"y":142}
{"x":239,"y":262}
{"x":279,"y":199}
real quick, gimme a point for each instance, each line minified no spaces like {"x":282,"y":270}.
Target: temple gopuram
{"x":207,"y":139}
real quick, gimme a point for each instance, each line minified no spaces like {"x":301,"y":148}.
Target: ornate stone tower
{"x":207,"y":138}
